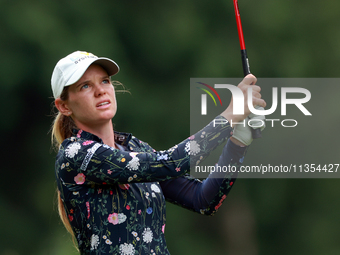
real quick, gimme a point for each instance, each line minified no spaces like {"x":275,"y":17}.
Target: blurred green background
{"x":159,"y":47}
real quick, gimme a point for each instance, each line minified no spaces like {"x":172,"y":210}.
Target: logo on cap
{"x":78,"y":58}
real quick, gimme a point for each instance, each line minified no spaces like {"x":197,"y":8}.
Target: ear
{"x":62,"y":107}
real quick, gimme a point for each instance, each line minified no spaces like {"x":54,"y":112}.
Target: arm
{"x":99,"y":164}
{"x":207,"y":196}
{"x":82,"y":162}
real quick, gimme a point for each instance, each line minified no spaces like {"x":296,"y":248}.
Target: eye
{"x":106,"y":81}
{"x":85,"y":86}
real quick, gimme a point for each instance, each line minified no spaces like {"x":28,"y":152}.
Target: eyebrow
{"x":84,"y":82}
{"x":87,"y":81}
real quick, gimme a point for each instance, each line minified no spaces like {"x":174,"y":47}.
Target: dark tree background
{"x":159,"y":47}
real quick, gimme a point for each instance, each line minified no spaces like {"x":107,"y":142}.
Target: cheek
{"x":114,"y":101}
{"x":113,"y":95}
{"x":114,"y":105}
{"x":79,"y":105}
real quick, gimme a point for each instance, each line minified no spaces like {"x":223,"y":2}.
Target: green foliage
{"x":159,"y":47}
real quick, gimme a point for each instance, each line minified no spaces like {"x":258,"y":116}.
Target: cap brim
{"x":109,"y":65}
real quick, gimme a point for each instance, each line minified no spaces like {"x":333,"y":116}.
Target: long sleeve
{"x":87,"y":162}
{"x":207,"y":196}
{"x":82,"y":161}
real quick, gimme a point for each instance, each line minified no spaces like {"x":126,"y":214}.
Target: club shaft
{"x":239,"y":25}
{"x":256,"y":133}
{"x":245,"y":62}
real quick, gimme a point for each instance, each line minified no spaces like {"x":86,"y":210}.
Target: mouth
{"x":103,"y":103}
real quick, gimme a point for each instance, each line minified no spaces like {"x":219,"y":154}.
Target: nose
{"x":99,"y":90}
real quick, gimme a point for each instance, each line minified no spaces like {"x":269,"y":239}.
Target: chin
{"x":108,"y":116}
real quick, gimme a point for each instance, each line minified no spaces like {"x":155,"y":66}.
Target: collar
{"x":120,"y":137}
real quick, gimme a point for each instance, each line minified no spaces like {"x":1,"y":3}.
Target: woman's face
{"x":92,"y":99}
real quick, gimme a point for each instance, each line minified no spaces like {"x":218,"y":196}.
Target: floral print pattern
{"x":79,"y":179}
{"x":192,"y":147}
{"x":94,"y":242}
{"x":72,"y":150}
{"x":115,"y":199}
{"x":126,"y":249}
{"x":133,"y":164}
{"x":147,"y":235}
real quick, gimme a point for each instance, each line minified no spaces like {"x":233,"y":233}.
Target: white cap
{"x":72,"y":67}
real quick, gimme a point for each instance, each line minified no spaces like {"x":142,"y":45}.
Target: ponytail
{"x":61,"y":129}
{"x":63,"y":215}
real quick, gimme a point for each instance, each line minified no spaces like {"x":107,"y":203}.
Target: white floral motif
{"x":121,"y":218}
{"x":155,"y":188}
{"x":133,"y":154}
{"x":126,"y":249}
{"x":94,"y":242}
{"x":147,"y":235}
{"x":172,"y":149}
{"x":187,"y":147}
{"x":133,"y":164}
{"x":162,"y":156}
{"x":72,"y":150}
{"x":192,"y":148}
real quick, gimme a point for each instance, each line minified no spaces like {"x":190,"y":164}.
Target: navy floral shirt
{"x":115,"y":198}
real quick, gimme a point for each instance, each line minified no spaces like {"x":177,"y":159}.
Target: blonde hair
{"x":61,"y":129}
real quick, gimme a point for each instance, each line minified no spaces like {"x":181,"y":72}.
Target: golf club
{"x":256,"y":133}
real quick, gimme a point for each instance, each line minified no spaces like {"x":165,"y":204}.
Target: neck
{"x":105,"y":132}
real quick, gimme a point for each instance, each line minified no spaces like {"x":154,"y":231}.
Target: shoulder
{"x":81,"y":140}
{"x":74,"y":147}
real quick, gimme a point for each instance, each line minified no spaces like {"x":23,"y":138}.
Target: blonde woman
{"x":112,"y":187}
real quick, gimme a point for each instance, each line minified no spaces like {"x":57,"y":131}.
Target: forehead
{"x":92,"y":71}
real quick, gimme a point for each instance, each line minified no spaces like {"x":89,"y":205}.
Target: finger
{"x":259,"y":102}
{"x":255,"y":88}
{"x":257,"y":94}
{"x":249,"y":79}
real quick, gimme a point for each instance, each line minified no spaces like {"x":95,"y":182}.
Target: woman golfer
{"x":112,"y":187}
